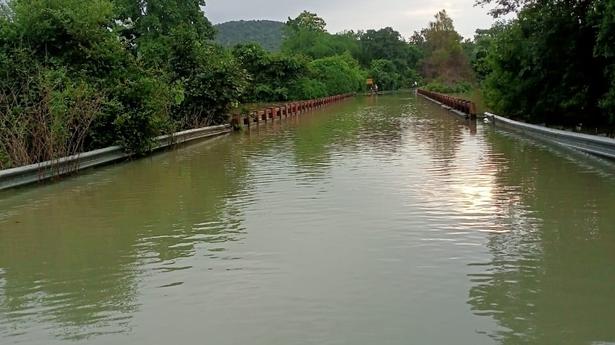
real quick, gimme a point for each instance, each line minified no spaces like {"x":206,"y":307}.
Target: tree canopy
{"x":141,"y":68}
{"x":307,"y":21}
{"x":554,"y":63}
{"x":444,"y":55}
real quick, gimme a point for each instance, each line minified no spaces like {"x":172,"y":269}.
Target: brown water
{"x":376,"y":221}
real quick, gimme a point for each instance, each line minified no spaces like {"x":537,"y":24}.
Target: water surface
{"x":375,"y":221}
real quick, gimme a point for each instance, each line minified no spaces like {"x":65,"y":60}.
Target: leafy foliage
{"x":401,"y":58}
{"x":268,"y":34}
{"x":142,"y":68}
{"x":306,"y":36}
{"x":149,"y":62}
{"x":318,"y":44}
{"x":554,"y":63}
{"x":271,"y":74}
{"x":385,"y":73}
{"x":478,"y":55}
{"x":339,"y":74}
{"x":444,"y":57}
{"x":307,"y":21}
{"x":447,"y":88}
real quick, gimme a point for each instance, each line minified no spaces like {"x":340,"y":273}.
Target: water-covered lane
{"x":380,"y":220}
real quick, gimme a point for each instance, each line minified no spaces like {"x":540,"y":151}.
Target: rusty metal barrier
{"x":272,"y":112}
{"x":459,"y":104}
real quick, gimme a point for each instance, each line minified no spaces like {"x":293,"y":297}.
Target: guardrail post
{"x":459,"y":104}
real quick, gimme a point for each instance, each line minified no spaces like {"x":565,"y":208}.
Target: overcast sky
{"x":405,"y":16}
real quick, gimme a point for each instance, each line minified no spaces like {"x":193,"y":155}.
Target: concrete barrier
{"x":592,"y":144}
{"x":25,"y":175}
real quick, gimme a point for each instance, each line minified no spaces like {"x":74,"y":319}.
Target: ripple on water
{"x":384,"y":218}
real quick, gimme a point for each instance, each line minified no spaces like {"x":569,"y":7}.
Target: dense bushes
{"x":277,"y":77}
{"x":339,"y":74}
{"x":97,"y":73}
{"x":65,"y":71}
{"x":382,"y":55}
{"x":553,"y":64}
{"x":386,"y":74}
{"x":272,"y":75}
{"x":78,"y":75}
{"x":306,"y":88}
{"x":55,"y":124}
{"x":442,"y":87}
{"x":210,"y":79}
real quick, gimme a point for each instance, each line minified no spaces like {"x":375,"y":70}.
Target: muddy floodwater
{"x":382,"y":220}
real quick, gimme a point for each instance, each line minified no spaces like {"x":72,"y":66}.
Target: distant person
{"x":376,"y":88}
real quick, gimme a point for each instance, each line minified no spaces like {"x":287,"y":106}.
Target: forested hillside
{"x":268,"y":34}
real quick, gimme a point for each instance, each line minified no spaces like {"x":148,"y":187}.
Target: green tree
{"x":384,"y":73}
{"x":150,"y":24}
{"x":382,"y":44}
{"x":132,"y":69}
{"x":444,"y":57}
{"x":483,"y":42}
{"x":54,"y":47}
{"x":605,"y":49}
{"x":211,"y":79}
{"x":553,"y":64}
{"x":340,"y":74}
{"x":271,"y":75}
{"x":307,"y":21}
{"x":306,"y":35}
{"x":173,"y":38}
{"x":388,"y":44}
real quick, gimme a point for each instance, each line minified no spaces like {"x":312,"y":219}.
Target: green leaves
{"x":271,"y":75}
{"x":553,"y":64}
{"x":146,"y":66}
{"x":307,"y":21}
{"x":384,"y":72}
{"x":340,"y":74}
{"x":444,"y":57}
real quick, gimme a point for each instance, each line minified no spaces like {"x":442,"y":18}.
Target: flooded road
{"x":374,"y":221}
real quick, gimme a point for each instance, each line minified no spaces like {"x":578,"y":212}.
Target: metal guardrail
{"x":592,"y":144}
{"x":454,"y":103}
{"x":51,"y":169}
{"x":20,"y":176}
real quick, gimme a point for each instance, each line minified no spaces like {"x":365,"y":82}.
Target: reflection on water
{"x":73,"y":257}
{"x":551,"y":277}
{"x":370,"y":221}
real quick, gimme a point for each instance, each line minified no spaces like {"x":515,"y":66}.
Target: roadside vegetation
{"x":78,"y":76}
{"x":553,"y":64}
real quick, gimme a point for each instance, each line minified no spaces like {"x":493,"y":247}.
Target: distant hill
{"x":269,"y":34}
